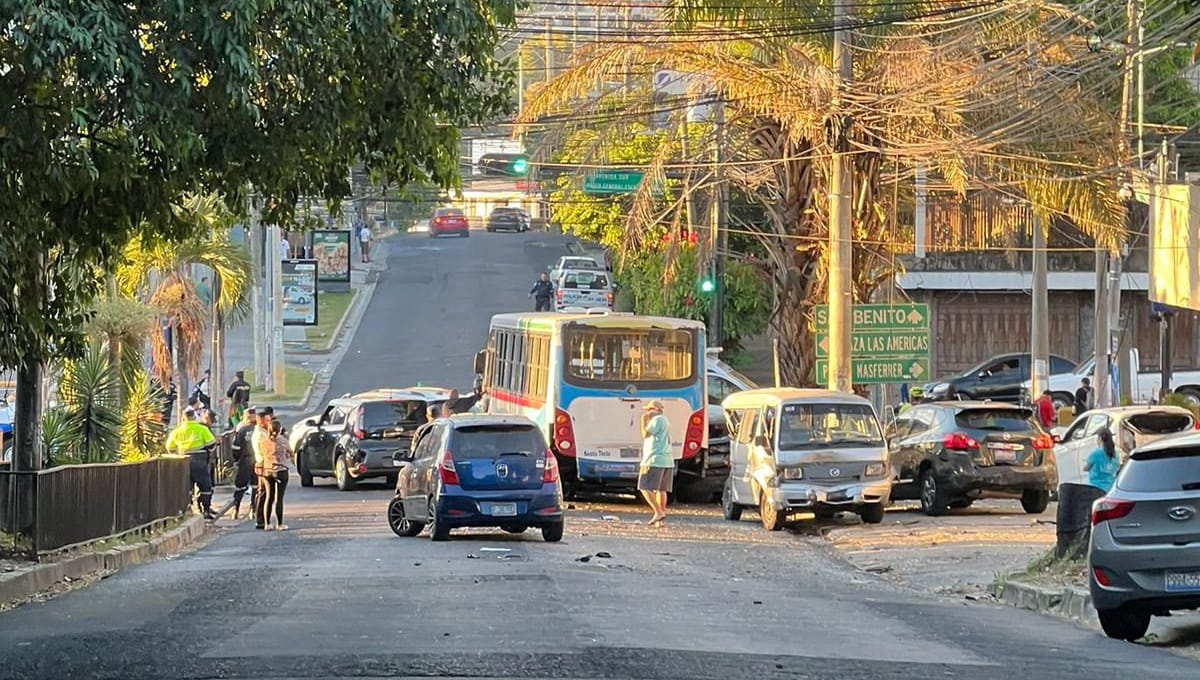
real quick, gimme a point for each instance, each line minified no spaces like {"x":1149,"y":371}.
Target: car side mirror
{"x":982,"y":375}
{"x":480,"y":363}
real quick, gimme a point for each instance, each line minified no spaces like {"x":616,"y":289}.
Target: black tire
{"x":1124,"y":623}
{"x":871,"y":514}
{"x":1034,"y":501}
{"x":437,"y":531}
{"x":693,"y":492}
{"x":400,"y":524}
{"x":824,"y":513}
{"x":306,"y":478}
{"x":513,"y":528}
{"x":730,"y":510}
{"x":1192,"y":396}
{"x":933,"y":499}
{"x":341,"y":473}
{"x":772,"y":519}
{"x":553,"y":533}
{"x":962,"y":503}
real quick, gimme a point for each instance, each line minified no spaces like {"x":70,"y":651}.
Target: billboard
{"x":331,"y":250}
{"x":299,"y":292}
{"x":1175,"y":245}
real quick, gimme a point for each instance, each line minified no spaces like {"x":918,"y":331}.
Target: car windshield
{"x":997,"y":419}
{"x":492,"y":441}
{"x":381,"y":415}
{"x":1172,"y":469}
{"x":585,"y":280}
{"x":735,"y":374}
{"x":1159,"y":422}
{"x":824,"y":425}
{"x":618,"y":357}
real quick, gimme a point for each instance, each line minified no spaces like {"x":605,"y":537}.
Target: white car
{"x":573,"y":262}
{"x":586,"y":288}
{"x":1132,"y":427}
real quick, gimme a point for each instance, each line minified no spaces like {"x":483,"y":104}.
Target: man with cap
{"x":244,"y":458}
{"x":263,"y":443}
{"x":195,"y":441}
{"x":239,"y":397}
{"x":656,"y":472}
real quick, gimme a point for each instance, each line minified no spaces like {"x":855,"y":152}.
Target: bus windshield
{"x":830,"y":424}
{"x":617,"y":357}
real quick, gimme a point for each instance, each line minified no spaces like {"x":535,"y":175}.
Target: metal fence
{"x":69,"y":505}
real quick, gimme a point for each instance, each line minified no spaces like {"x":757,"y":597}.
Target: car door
{"x":742,"y":424}
{"x":1078,"y":445}
{"x":418,"y":484}
{"x":760,"y":460}
{"x":894,"y":434}
{"x":1001,"y":380}
{"x":916,"y":442}
{"x":314,"y":440}
{"x":330,"y":430}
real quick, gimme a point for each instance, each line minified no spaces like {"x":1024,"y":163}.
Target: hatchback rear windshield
{"x":380,"y":415}
{"x":490,"y":441}
{"x":586,"y":280}
{"x":448,"y":212}
{"x":994,"y":419}
{"x":1175,"y":469}
{"x":1159,"y":423}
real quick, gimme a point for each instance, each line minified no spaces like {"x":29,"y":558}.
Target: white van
{"x":802,"y":450}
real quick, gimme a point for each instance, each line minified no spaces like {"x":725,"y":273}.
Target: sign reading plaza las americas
{"x":888,"y":344}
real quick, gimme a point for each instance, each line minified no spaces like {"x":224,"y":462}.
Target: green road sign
{"x":867,"y":371}
{"x":612,"y":181}
{"x":889,"y":343}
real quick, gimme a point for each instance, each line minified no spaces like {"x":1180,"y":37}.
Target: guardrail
{"x":71,"y":505}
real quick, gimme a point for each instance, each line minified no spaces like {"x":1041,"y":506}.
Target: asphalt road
{"x":339,"y":596}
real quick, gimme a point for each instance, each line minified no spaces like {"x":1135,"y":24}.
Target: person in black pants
{"x":276,"y":471}
{"x":243,"y":456}
{"x":542,"y":293}
{"x":263,"y":447}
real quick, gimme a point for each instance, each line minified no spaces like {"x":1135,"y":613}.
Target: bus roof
{"x":550,"y":320}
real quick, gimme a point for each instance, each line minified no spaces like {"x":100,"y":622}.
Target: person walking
{"x":239,"y":397}
{"x":243,"y":457}
{"x":1083,"y":397}
{"x":1102,"y":463}
{"x":364,"y":242}
{"x":195,"y":441}
{"x":263,"y":445}
{"x":542,"y":293}
{"x":656,"y":471}
{"x":275,"y":469}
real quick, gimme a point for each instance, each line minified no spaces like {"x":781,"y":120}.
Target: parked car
{"x":948,"y":454}
{"x":1000,"y":378}
{"x":723,"y":381}
{"x":573,"y":262}
{"x":583,"y":288}
{"x":478,"y":471}
{"x":1142,"y":558}
{"x":800,"y":450}
{"x":508,"y":219}
{"x":1132,"y":426}
{"x":1143,"y":389}
{"x":449,"y":221}
{"x":354,"y":438}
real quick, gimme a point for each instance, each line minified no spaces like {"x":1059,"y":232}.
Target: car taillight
{"x":564,"y":433}
{"x":446,"y":469}
{"x":694,"y":438}
{"x":959,"y":442}
{"x":358,"y":431}
{"x":1043,"y":442}
{"x":1110,"y":508}
{"x":1101,"y":576}
{"x":558,"y":293}
{"x":550,"y":473}
{"x":610,"y":299}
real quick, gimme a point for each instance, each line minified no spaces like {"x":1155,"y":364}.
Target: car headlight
{"x":790,"y":473}
{"x":875,"y":470}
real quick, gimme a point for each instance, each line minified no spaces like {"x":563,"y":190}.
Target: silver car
{"x":1144,"y":555}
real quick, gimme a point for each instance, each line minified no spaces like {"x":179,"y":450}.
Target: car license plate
{"x":504,"y":509}
{"x":1183,"y":581}
{"x":1003,"y":454}
{"x":631,"y":453}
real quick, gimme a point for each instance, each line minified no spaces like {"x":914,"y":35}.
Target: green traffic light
{"x":520,"y":166}
{"x":707,"y":286}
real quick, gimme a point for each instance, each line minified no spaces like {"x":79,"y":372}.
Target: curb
{"x":341,"y":325}
{"x":1066,"y":602}
{"x":24,"y":584}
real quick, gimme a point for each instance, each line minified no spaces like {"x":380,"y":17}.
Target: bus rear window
{"x":622,"y":356}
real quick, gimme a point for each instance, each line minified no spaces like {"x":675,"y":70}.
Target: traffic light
{"x":707,"y":284}
{"x":504,"y":164}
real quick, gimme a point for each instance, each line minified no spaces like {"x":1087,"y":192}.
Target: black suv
{"x":947,"y":454}
{"x":356,"y":436}
{"x":508,"y":219}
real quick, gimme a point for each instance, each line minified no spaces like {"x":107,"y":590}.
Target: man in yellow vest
{"x":915,"y":395}
{"x":194,"y":440}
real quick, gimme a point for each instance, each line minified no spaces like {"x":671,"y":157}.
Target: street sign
{"x":888,"y":343}
{"x":612,"y":181}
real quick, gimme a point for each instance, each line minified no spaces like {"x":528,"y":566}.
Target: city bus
{"x":584,"y":378}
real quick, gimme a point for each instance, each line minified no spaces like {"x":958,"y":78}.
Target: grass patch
{"x":330,"y":308}
{"x":297,"y":378}
{"x":1047,"y":569}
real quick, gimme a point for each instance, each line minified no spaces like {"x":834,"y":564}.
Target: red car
{"x":449,"y":221}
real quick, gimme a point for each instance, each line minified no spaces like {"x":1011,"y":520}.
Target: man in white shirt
{"x":364,"y":242}
{"x":285,"y":249}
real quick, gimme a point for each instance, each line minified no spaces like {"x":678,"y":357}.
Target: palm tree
{"x":1004,"y":98}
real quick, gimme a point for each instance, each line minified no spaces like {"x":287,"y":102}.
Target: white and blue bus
{"x":584,"y":379}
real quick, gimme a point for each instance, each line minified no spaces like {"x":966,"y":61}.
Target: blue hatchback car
{"x":477,"y":471}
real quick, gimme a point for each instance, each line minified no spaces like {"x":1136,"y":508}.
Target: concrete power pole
{"x":840,"y":298}
{"x":258,"y":298}
{"x":275,"y":304}
{"x":1039,"y":340}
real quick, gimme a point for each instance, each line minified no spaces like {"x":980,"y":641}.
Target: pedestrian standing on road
{"x":243,"y":456}
{"x":264,"y":449}
{"x":1102,"y":463}
{"x":275,"y":468}
{"x":364,"y":242}
{"x":656,"y":472}
{"x":239,"y":397}
{"x":1083,"y":397}
{"x":195,"y":441}
{"x":1046,"y":413}
{"x":542,"y":293}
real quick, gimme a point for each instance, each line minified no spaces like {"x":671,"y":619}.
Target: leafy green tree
{"x":115,"y":111}
{"x":87,"y":404}
{"x":143,"y":434}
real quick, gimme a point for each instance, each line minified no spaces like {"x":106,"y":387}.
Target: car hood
{"x":848,"y":454}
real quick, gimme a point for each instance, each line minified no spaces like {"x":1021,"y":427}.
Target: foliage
{"x":59,"y":435}
{"x":143,"y":434}
{"x":116,"y":111}
{"x":88,"y":405}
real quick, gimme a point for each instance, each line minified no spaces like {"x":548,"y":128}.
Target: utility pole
{"x":257,"y":295}
{"x":278,"y":374}
{"x":688,"y":207}
{"x":1039,"y":328}
{"x":841,"y":310}
{"x":720,"y":229}
{"x":1165,"y":315}
{"x":547,"y":56}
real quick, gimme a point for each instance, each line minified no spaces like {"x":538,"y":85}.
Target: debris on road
{"x":585,"y":558}
{"x":495,"y":550}
{"x":472,"y":556}
{"x":610,"y":518}
{"x":604,"y":555}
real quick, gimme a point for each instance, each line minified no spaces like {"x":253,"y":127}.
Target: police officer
{"x":196,"y":441}
{"x":542,"y":292}
{"x":244,"y":457}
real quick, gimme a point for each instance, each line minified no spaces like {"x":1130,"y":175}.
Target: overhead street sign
{"x":612,"y":181}
{"x":888,"y":343}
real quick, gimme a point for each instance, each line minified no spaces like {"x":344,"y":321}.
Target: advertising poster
{"x":299,"y":292}
{"x":331,"y":250}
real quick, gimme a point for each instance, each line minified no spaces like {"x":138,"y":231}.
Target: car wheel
{"x":342,"y":474}
{"x":306,"y":478}
{"x":1124,"y":623}
{"x":1191,"y":398}
{"x":824,"y":513}
{"x":553,"y":533}
{"x":871,"y":514}
{"x":401,"y":525}
{"x":933,"y":501}
{"x":437,"y":531}
{"x":513,"y":528}
{"x":772,"y":519}
{"x":1034,"y":501}
{"x":730,"y":510}
{"x":466,"y":234}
